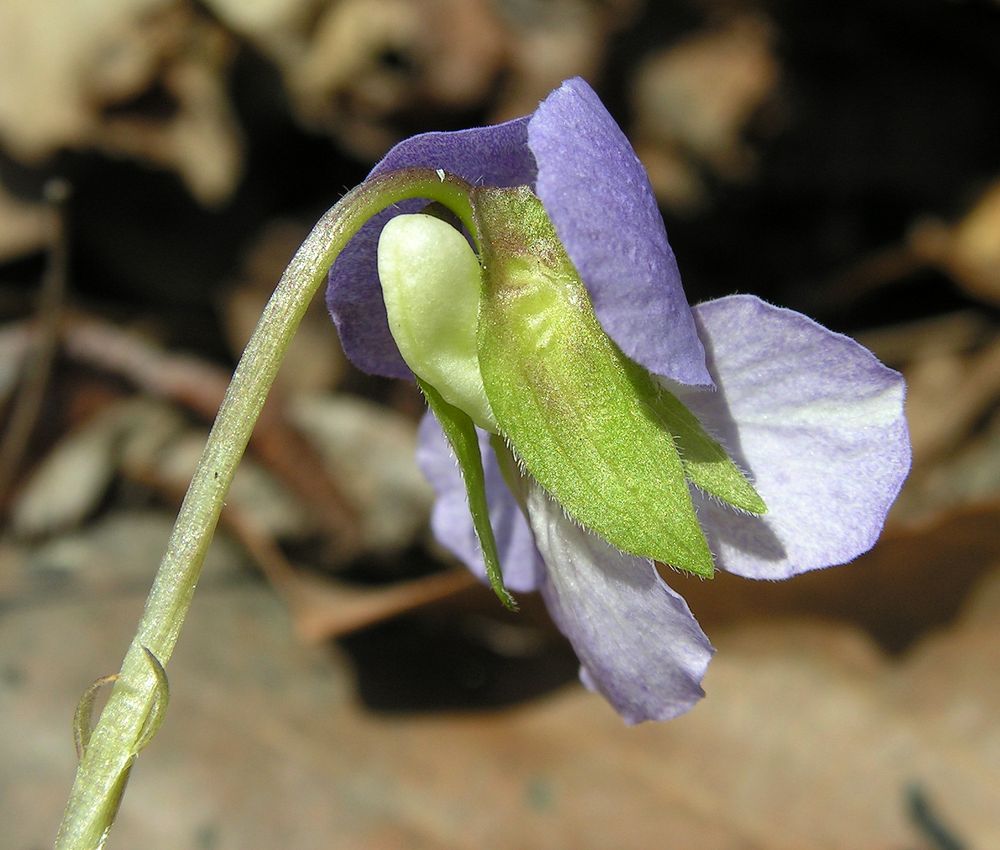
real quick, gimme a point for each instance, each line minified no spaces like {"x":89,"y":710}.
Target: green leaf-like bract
{"x":584,"y":420}
{"x":461,"y":433}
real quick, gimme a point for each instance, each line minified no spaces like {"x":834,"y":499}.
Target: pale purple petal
{"x":598,"y":196}
{"x":451,"y":521}
{"x":493,"y":156}
{"x":636,"y":639}
{"x":817,"y":421}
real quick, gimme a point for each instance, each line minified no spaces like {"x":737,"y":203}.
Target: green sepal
{"x":461,"y":433}
{"x":706,"y":464}
{"x":576,"y":412}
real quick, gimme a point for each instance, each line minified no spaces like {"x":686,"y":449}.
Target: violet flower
{"x":811,"y":417}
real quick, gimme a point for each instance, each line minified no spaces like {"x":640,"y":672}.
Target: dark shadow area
{"x":456,"y":661}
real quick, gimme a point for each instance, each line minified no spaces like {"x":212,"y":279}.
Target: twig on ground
{"x":28,"y":401}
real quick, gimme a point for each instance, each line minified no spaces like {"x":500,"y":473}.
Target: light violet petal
{"x":599,"y":198}
{"x":818,"y":423}
{"x":638,"y":644}
{"x":494,"y":156}
{"x":451,"y":521}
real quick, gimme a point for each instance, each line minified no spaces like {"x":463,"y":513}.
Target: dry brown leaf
{"x":370,"y":451}
{"x":952,"y":367}
{"x":968,"y":476}
{"x":266,"y":22}
{"x":255,"y":494}
{"x":93,"y":63}
{"x":548,"y":43}
{"x":138,"y":434}
{"x":947,"y":334}
{"x":365,"y":62}
{"x":15,"y":345}
{"x":24,"y":226}
{"x":552,"y":40}
{"x":364,"y":70}
{"x":917,"y":577}
{"x":947,"y":395}
{"x":693,"y":101}
{"x":199,"y":385}
{"x":969,"y":250}
{"x":72,"y":479}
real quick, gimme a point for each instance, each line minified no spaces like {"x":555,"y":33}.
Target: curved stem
{"x":115,"y":741}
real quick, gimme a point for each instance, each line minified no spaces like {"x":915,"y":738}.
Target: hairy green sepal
{"x":706,"y":463}
{"x":461,"y":433}
{"x":580,"y":416}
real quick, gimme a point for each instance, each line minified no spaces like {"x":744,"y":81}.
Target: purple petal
{"x":452,"y":522}
{"x":598,"y":196}
{"x":817,"y":421}
{"x":495,"y":156}
{"x":636,"y":640}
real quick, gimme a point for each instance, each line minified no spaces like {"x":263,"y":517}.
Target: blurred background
{"x":341,"y":683}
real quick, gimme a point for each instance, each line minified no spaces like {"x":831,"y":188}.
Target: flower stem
{"x":123,"y":728}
